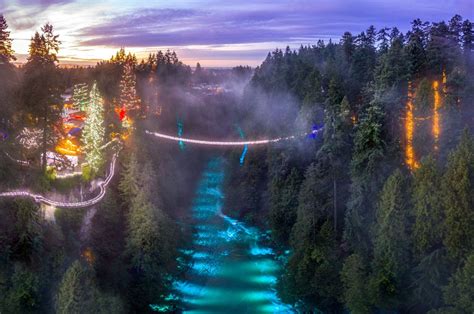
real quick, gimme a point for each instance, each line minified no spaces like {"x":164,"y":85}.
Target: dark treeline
{"x":370,"y":228}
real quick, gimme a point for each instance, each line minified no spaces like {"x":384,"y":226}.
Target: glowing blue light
{"x":255,"y":250}
{"x":246,"y":147}
{"x":244,"y":152}
{"x":180,"y":134}
{"x":200,"y":255}
{"x":264,"y":279}
{"x":315,"y":131}
{"x":160,"y":308}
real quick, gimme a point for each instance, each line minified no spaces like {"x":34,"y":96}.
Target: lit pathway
{"x":41,"y":199}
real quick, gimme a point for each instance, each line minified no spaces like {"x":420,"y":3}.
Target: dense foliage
{"x":368,"y":230}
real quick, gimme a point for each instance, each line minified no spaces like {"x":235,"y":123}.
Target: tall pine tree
{"x":6,"y":51}
{"x":458,"y":200}
{"x":41,"y":92}
{"x":128,"y":93}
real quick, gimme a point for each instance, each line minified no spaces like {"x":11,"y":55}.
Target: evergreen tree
{"x":150,"y":245}
{"x":441,"y":51}
{"x":431,"y":268}
{"x":369,"y":150}
{"x":94,"y":131}
{"x":9,"y":80}
{"x":392,"y":68}
{"x":40,"y":91}
{"x":460,"y":291}
{"x":458,"y":201}
{"x":313,"y":269}
{"x":467,"y":38}
{"x":354,"y":276}
{"x":391,"y":261}
{"x":415,"y":48}
{"x":284,"y":187}
{"x":129,"y":185}
{"x":423,"y":141}
{"x":383,"y":37}
{"x":80,"y":96}
{"x":128,"y":94}
{"x":348,"y":46}
{"x":75,"y":294}
{"x":24,"y":295}
{"x":29,"y":238}
{"x":78,"y":293}
{"x":6,"y":51}
{"x":337,"y":145}
{"x":427,"y":207}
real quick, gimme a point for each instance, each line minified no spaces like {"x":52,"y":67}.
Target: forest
{"x":372,"y":215}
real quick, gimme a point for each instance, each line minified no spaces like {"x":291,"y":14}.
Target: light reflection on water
{"x":230,"y":270}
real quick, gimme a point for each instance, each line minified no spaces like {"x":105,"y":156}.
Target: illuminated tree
{"x":128,"y":93}
{"x":94,"y":130}
{"x":80,"y":96}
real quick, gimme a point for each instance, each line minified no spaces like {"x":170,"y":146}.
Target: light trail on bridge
{"x":230,"y":143}
{"x":41,"y":199}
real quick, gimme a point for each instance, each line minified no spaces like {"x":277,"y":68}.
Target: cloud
{"x":213,"y":28}
{"x":37,"y":3}
{"x":277,"y":21}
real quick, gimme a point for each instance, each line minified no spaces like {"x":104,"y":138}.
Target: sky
{"x":216,"y":33}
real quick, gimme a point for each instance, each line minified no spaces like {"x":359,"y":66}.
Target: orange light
{"x":88,"y":256}
{"x":436,"y":116}
{"x":409,"y":131}
{"x":68,"y":148}
{"x":445,"y":89}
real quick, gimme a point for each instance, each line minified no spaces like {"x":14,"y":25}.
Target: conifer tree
{"x":6,"y":51}
{"x":427,"y":207}
{"x":8,"y":77}
{"x":80,"y":96}
{"x":41,"y":93}
{"x":354,"y":276}
{"x":75,"y":293}
{"x":369,"y":149}
{"x":128,"y":93}
{"x":458,"y":201}
{"x":460,"y":291}
{"x":128,"y":185}
{"x":392,"y":245}
{"x":94,"y":130}
{"x":78,"y":293}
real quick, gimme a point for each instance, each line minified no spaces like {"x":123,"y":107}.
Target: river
{"x":230,"y":268}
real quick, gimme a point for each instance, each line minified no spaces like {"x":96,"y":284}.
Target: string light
{"x":409,"y":131}
{"x":41,"y":199}
{"x":94,"y":130}
{"x":229,"y":143}
{"x":436,"y":114}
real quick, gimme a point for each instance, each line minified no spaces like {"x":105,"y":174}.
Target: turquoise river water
{"x":231,"y":270}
